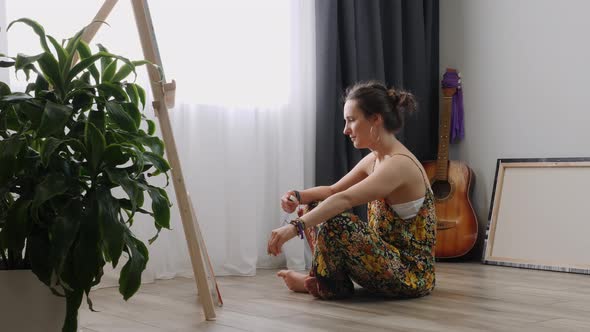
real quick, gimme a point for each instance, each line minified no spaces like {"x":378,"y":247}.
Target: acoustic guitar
{"x":456,"y":230}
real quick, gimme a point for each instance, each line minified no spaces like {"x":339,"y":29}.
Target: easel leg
{"x":215,"y":293}
{"x":151,"y":53}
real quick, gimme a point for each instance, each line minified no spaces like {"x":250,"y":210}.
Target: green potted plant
{"x":75,"y":135}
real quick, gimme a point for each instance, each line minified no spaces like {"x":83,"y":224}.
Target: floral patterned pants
{"x":346,"y":248}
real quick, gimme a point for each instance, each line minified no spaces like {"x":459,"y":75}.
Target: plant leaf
{"x":54,"y":119}
{"x":77,"y":146}
{"x":120,"y":117}
{"x":85,"y":52}
{"x":82,"y":99}
{"x":110,"y":89}
{"x":97,"y":118}
{"x":126,"y":204}
{"x":87,"y":258}
{"x":136,"y":155}
{"x":133,"y":111}
{"x":159,"y":163}
{"x":12,"y":120}
{"x":126,"y":69}
{"x":48,"y":147}
{"x":6,"y":63}
{"x":151,"y":127}
{"x":86,"y":266}
{"x":111,"y":229}
{"x":104,"y":62}
{"x":160,"y":206}
{"x":4,"y":89}
{"x":95,"y":145}
{"x":130,"y":278}
{"x":63,"y":233}
{"x":16,"y":97}
{"x":37,"y":28}
{"x":109,"y":71}
{"x":33,"y":112}
{"x":53,"y":185}
{"x":61,"y":52}
{"x":114,"y":156}
{"x":50,"y":68}
{"x":131,"y":90}
{"x":87,"y":62}
{"x":71,"y":48}
{"x":41,"y":84}
{"x":130,"y":187}
{"x":141,"y":93}
{"x":9,"y":151}
{"x":154,"y":143}
{"x":18,"y":225}
{"x":23,"y":60}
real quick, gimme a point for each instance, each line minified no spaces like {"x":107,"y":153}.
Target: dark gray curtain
{"x":394,"y":41}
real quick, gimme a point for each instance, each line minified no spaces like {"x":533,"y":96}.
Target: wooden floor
{"x":468,"y":297}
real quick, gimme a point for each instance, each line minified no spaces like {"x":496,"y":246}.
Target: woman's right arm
{"x":360,"y":171}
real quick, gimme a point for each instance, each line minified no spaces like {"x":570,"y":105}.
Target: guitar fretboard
{"x":444,"y":130}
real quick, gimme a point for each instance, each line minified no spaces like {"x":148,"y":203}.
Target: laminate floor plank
{"x":468,"y":297}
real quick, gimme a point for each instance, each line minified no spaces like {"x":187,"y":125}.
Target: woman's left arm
{"x":377,"y":185}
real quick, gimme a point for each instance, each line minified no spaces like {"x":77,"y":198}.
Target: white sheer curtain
{"x":244,"y":121}
{"x":252,"y":139}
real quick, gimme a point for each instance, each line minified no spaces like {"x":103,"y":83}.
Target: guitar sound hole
{"x":441,"y":189}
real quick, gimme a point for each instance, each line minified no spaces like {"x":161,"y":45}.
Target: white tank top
{"x":409,"y":209}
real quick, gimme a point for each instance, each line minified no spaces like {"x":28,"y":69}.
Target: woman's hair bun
{"x":403,"y":100}
{"x":392,"y":93}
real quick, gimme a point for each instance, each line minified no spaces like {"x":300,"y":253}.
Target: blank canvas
{"x":540,"y":215}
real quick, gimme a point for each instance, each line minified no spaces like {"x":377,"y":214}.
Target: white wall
{"x":525,"y":69}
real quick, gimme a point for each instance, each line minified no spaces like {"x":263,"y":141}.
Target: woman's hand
{"x":288,"y":202}
{"x":278,"y":237}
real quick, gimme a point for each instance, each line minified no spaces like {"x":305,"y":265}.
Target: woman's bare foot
{"x":311,"y":285}
{"x":294,"y":280}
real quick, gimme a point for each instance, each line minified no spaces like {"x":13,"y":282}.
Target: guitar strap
{"x":452,"y":79}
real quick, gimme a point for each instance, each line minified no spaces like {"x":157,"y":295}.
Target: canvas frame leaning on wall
{"x":538,"y":217}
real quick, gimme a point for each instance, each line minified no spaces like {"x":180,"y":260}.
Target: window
{"x":222,"y":52}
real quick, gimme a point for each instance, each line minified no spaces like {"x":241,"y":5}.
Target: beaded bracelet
{"x":299,"y":226}
{"x":297,"y":195}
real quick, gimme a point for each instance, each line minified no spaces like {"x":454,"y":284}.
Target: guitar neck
{"x":444,"y":130}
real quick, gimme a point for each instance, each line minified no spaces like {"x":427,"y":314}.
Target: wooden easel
{"x":163,"y":94}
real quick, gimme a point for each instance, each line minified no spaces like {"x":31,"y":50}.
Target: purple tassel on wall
{"x":452,"y":79}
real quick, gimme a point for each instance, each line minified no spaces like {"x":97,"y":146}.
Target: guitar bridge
{"x":445,"y":224}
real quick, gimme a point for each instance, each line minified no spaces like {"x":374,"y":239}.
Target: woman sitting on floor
{"x":392,"y":254}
